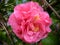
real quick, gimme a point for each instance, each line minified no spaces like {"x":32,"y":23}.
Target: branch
{"x":52,"y":8}
{"x":2,"y":20}
{"x":7,"y":32}
{"x":52,"y":2}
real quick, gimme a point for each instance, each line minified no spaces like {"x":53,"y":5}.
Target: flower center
{"x":36,"y":28}
{"x":36,"y":17}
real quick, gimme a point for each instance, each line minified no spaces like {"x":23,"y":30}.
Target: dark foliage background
{"x":7,"y":37}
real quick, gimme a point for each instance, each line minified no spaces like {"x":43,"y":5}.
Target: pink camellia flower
{"x":30,"y":22}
